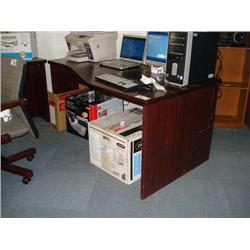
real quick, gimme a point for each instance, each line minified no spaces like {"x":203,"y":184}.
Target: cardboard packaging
{"x":84,"y":107}
{"x":115,"y":144}
{"x":19,"y":44}
{"x":57,"y":107}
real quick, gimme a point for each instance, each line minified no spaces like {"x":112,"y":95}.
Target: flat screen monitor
{"x":133,"y":48}
{"x":157,"y":48}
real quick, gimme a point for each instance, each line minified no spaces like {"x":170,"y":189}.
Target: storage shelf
{"x":234,"y":48}
{"x":228,"y":122}
{"x":233,"y":92}
{"x":234,"y":85}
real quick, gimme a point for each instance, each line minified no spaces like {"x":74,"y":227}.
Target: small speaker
{"x":232,"y":39}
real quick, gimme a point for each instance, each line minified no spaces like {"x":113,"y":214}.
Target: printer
{"x":91,"y":46}
{"x":9,"y":41}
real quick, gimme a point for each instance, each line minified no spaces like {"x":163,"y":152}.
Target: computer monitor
{"x":132,"y":48}
{"x":156,"y":48}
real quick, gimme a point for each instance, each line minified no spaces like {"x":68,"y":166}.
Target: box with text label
{"x":115,"y":144}
{"x":19,"y":45}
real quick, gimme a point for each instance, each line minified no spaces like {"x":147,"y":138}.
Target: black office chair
{"x":13,"y":74}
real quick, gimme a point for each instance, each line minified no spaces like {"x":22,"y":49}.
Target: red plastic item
{"x":92,"y":112}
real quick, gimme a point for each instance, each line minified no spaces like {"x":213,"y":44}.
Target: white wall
{"x":52,"y":45}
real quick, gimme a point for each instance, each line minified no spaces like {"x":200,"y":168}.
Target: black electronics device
{"x":233,"y":39}
{"x":191,"y":57}
{"x":78,"y":109}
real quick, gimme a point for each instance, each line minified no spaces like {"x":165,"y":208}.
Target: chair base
{"x":24,"y":172}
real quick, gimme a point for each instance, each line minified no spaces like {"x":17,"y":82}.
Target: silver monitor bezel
{"x":129,"y":59}
{"x":152,"y":62}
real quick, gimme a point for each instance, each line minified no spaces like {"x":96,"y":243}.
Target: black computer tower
{"x":191,"y":57}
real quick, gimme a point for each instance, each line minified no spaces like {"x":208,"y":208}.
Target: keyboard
{"x":117,"y":81}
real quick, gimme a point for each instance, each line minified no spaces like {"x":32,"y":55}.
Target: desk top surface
{"x":88,"y":70}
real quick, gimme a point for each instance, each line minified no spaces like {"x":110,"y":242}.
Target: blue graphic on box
{"x":28,"y":55}
{"x":137,"y":164}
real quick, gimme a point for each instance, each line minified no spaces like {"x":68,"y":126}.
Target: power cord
{"x":220,"y":68}
{"x":219,"y":73}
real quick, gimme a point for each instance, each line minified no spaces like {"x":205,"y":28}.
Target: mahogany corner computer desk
{"x":177,"y":125}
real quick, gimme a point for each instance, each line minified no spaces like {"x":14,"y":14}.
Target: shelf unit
{"x":234,"y":89}
{"x":247,"y":116}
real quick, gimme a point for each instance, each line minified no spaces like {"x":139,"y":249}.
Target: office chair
{"x":13,"y":77}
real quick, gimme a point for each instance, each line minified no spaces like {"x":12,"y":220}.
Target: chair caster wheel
{"x":26,"y":180}
{"x":30,"y":158}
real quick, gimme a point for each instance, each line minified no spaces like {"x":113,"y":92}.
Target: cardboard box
{"x":19,"y":44}
{"x":115,"y":144}
{"x":84,"y":107}
{"x":57,"y":107}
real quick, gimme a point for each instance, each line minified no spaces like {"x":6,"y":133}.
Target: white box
{"x":115,"y":144}
{"x":109,"y":107}
{"x":19,"y":44}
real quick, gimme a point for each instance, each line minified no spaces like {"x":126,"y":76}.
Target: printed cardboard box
{"x":57,"y":107}
{"x":115,"y":144}
{"x":19,"y":44}
{"x":84,"y":107}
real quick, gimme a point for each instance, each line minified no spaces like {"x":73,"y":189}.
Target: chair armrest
{"x":5,"y":138}
{"x":12,"y":104}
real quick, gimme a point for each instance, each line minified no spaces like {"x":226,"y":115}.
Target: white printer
{"x":91,"y":46}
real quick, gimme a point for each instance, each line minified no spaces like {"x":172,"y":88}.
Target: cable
{"x":219,"y":73}
{"x":172,"y":91}
{"x":219,"y":95}
{"x":220,"y":68}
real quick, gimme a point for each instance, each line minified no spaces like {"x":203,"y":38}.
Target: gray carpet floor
{"x":66,"y":185}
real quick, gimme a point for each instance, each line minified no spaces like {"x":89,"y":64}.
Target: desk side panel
{"x":35,"y":89}
{"x":177,"y":136}
{"x":63,"y":79}
{"x":162,"y":124}
{"x":200,"y":113}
